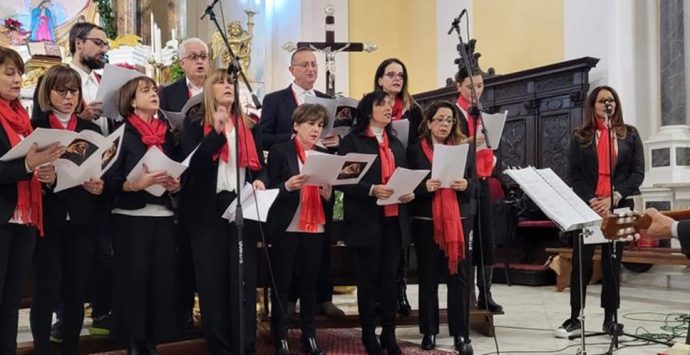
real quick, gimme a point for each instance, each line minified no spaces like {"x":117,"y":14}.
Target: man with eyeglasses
{"x":194,"y":59}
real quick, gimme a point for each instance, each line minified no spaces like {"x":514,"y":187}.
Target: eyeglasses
{"x":97,"y":41}
{"x":447,"y":120}
{"x":305,"y":65}
{"x":392,"y":75}
{"x":63,"y":91}
{"x":194,"y":57}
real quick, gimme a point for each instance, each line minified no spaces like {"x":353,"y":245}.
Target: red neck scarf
{"x":387,"y":168}
{"x":485,"y":157}
{"x":603,"y":159}
{"x":311,"y":215}
{"x":56,"y":124}
{"x":398,"y":109}
{"x":248,"y":156}
{"x":15,"y":121}
{"x":445,"y":212}
{"x":152,"y":133}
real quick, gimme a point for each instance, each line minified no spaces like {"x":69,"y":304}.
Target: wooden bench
{"x":661,"y":256}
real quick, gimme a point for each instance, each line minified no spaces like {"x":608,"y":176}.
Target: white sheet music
{"x":328,"y":169}
{"x":177,"y":118}
{"x":263,"y":199}
{"x":555,"y":198}
{"x":402,"y":130}
{"x":114,"y":77}
{"x":449,"y":163}
{"x":403,"y":182}
{"x":494,"y":124}
{"x":156,"y":160}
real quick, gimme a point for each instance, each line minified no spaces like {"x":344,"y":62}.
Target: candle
{"x":173,"y":33}
{"x":152,"y":32}
{"x":158,"y":44}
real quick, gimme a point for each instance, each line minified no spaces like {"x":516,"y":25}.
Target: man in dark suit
{"x":276,"y":127}
{"x":276,"y":115}
{"x":194,"y":59}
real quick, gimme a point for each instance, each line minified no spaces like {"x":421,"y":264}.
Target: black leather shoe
{"x":463,"y":346}
{"x":389,"y":343}
{"x":489,"y":305}
{"x":404,"y":307}
{"x":282,"y":347}
{"x":371,"y":344}
{"x":310,"y":347}
{"x":429,"y":342}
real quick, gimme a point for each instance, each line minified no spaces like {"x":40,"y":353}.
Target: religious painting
{"x":78,"y":151}
{"x":351,"y":170}
{"x":43,"y":20}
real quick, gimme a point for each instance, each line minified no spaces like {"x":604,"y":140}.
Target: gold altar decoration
{"x":130,"y":40}
{"x":36,"y":67}
{"x":240,"y":41}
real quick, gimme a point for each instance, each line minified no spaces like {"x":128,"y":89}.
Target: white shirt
{"x":89,"y":88}
{"x":227,"y":172}
{"x":300,"y":93}
{"x":193,"y":89}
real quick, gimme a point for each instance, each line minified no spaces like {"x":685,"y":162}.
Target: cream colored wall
{"x":514,"y":35}
{"x":402,"y":29}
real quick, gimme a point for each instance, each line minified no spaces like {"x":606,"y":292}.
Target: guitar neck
{"x":677,"y":215}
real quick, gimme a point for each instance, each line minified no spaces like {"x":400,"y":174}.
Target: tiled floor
{"x":532,"y":313}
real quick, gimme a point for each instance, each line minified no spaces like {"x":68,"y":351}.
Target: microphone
{"x":456,"y":21}
{"x":608,"y":108}
{"x":209,"y":9}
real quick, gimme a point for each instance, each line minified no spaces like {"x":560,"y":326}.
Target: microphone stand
{"x":476,"y":111}
{"x":616,"y":329}
{"x":235,"y":71}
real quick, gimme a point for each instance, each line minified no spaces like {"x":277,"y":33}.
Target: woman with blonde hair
{"x":210,"y":187}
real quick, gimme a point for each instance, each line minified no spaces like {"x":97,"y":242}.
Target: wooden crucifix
{"x":330,"y":47}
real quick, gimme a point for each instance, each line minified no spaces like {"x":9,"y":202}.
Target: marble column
{"x":126,"y":16}
{"x":672,"y":63}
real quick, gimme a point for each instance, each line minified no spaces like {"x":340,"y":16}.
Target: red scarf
{"x":387,"y":168}
{"x":15,"y":121}
{"x":445,"y":212}
{"x":152,"y":133}
{"x":398,"y":109}
{"x":485,"y":157}
{"x":603,"y":158}
{"x":56,"y":124}
{"x":247,"y":154}
{"x":311,"y":215}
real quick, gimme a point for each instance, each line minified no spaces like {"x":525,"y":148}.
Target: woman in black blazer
{"x":440,"y":238}
{"x":590,"y":178}
{"x":209,"y":188}
{"x":391,"y":77}
{"x":377,"y":233}
{"x":143,"y":272}
{"x":20,"y":196}
{"x":71,"y":218}
{"x":297,"y":226}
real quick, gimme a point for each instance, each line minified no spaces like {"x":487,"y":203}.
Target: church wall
{"x":446,"y":11}
{"x":514,"y":35}
{"x":407,"y":32}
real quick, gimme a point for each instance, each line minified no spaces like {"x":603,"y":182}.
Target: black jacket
{"x":282,"y":165}
{"x":362,"y":214}
{"x":83,"y":207}
{"x":684,"y":236}
{"x":276,"y":116}
{"x":628,"y":173}
{"x":131,"y":151}
{"x":199,"y":200}
{"x":11,"y":172}
{"x":174,"y":96}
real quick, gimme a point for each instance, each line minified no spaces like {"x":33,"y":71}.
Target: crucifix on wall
{"x":330,"y":47}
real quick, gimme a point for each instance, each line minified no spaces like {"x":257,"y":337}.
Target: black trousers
{"x":300,"y":252}
{"x":432,"y":265}
{"x":144,"y":278}
{"x":215,"y":255}
{"x":483,"y":239}
{"x":185,"y":273}
{"x":324,"y":284}
{"x":610,"y":297}
{"x":16,"y":251}
{"x":376,"y":276}
{"x":61,"y":265}
{"x":101,"y":278}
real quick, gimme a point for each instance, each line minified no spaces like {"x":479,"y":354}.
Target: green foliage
{"x":338,"y":208}
{"x":107,"y":19}
{"x":176,"y":71}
